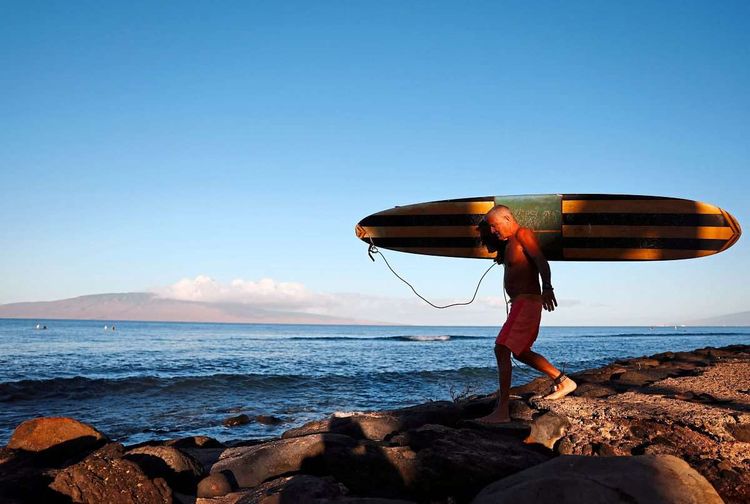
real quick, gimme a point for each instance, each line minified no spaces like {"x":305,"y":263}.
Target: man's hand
{"x":548,"y":300}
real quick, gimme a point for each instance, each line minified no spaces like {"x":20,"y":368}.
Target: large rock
{"x":180,"y":470}
{"x":457,"y":463}
{"x":216,"y":485}
{"x":206,"y":456}
{"x":645,"y":479}
{"x":375,"y":470}
{"x":378,"y":425}
{"x":23,"y":477}
{"x":299,"y":489}
{"x":39,"y":434}
{"x":250,"y":466}
{"x":105,"y":476}
{"x":363,"y":466}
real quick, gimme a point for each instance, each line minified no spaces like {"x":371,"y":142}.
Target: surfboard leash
{"x":372,"y":250}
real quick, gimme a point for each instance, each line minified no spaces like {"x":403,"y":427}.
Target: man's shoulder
{"x":526,"y":237}
{"x":524,"y":232}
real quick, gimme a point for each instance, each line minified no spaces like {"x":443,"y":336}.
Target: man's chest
{"x":515,"y":255}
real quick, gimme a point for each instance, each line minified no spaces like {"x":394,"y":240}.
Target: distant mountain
{"x":144,"y":306}
{"x":732,"y":319}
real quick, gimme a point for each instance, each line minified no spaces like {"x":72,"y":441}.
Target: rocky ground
{"x":672,"y":427}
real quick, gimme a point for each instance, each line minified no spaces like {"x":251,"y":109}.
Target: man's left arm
{"x":531,"y":246}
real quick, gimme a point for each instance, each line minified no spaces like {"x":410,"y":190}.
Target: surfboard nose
{"x":360,"y":231}
{"x":734,"y":225}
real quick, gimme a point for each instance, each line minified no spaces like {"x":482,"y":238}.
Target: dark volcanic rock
{"x":252,"y":465}
{"x":7,"y":454}
{"x":23,"y":477}
{"x":374,"y":470}
{"x":641,"y":378}
{"x":299,"y":489}
{"x":180,"y":470}
{"x":206,"y":456}
{"x":536,"y":387}
{"x":378,"y":425}
{"x":268,"y":420}
{"x":105,"y":476}
{"x":477,"y":406}
{"x":594,"y":390}
{"x":457,"y":463}
{"x":37,"y":447}
{"x":740,"y":432}
{"x":216,"y":485}
{"x":237,"y":420}
{"x":40,"y":434}
{"x":604,"y":480}
{"x":362,"y":466}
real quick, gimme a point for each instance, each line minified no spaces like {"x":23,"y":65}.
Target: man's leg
{"x":539,"y":363}
{"x":563,"y":384}
{"x":501,"y":414}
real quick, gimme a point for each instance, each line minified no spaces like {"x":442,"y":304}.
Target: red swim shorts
{"x":522,"y":326}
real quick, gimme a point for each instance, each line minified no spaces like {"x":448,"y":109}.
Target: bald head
{"x":501,"y":222}
{"x":500,"y":210}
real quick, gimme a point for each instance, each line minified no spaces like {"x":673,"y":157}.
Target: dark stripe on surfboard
{"x":428,"y":242}
{"x":632,"y":254}
{"x":601,"y":231}
{"x":603,"y":197}
{"x":465,"y":200}
{"x":644,"y":219}
{"x":643,"y":243}
{"x":422,"y":220}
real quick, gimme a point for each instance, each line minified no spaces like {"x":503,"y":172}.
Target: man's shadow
{"x":363,"y":467}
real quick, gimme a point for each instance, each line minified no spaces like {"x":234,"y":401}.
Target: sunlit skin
{"x":524,"y":263}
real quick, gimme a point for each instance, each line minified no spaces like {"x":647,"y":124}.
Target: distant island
{"x":151,"y":307}
{"x":146,"y":307}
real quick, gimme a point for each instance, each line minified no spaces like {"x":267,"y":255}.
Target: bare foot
{"x":493,"y":418}
{"x":566,"y":387}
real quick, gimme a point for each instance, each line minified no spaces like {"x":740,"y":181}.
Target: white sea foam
{"x":441,"y":337}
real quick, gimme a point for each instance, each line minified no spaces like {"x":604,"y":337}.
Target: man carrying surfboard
{"x":524,"y":263}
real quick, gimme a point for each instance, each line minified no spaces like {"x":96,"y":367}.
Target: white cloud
{"x":264,"y":293}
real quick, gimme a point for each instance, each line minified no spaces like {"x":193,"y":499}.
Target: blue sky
{"x":143,"y":144}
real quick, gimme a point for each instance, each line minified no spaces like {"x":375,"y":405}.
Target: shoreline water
{"x":149,"y":380}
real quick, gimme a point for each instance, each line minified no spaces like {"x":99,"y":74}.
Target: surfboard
{"x":569,"y":227}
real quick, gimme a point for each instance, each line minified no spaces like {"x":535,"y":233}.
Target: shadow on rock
{"x":365,"y":467}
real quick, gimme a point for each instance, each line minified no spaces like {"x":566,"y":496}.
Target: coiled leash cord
{"x":374,"y":250}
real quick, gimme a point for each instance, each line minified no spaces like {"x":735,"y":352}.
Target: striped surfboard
{"x":569,"y":227}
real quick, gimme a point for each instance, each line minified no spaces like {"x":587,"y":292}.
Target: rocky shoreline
{"x":672,"y":427}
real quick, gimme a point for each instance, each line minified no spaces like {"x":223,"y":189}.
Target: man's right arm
{"x":528,"y":241}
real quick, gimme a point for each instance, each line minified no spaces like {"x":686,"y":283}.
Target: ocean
{"x":152,"y":380}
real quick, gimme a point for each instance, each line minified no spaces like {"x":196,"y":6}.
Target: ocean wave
{"x":79,"y":387}
{"x":405,"y":337}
